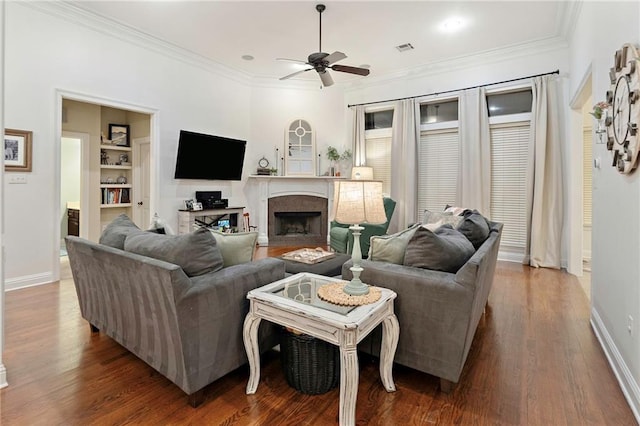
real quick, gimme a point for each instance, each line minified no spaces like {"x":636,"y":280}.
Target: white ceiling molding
{"x":132,"y":35}
{"x":487,"y":57}
{"x":568,"y":14}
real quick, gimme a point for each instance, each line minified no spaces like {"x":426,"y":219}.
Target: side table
{"x":293,"y":302}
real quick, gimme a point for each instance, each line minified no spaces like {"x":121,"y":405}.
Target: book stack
{"x":115,"y":196}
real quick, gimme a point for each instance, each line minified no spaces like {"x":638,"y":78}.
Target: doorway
{"x":91,"y":120}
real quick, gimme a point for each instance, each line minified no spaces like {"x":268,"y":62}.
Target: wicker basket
{"x":311,"y":366}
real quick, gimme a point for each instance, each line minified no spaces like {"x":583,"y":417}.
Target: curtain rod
{"x":456,"y":90}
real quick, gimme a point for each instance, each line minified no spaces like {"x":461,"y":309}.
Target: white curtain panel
{"x":474,"y":167}
{"x":358,"y":136}
{"x":544,"y":178}
{"x":404,"y":163}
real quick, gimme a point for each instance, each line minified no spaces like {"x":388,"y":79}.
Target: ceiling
{"x":366,"y":31}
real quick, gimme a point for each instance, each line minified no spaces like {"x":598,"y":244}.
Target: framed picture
{"x":119,"y":134}
{"x":17,"y":150}
{"x":197,"y":206}
{"x":188,"y":204}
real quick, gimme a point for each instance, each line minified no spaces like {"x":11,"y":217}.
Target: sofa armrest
{"x":211,"y":314}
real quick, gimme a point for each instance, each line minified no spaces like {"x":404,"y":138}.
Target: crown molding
{"x":487,"y":57}
{"x":77,"y":15}
{"x":567,"y":18}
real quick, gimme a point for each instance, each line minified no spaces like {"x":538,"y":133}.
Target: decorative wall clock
{"x":624,"y":109}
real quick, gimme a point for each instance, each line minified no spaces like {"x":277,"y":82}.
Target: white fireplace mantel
{"x":261,"y":188}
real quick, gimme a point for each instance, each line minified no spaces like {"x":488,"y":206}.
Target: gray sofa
{"x":438,"y":311}
{"x":187,"y":328}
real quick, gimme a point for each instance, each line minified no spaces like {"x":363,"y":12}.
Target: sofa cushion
{"x":236,"y":248}
{"x":445,"y":218}
{"x":117,"y":231}
{"x":391,"y":248}
{"x":444,"y":249}
{"x":475,"y":227}
{"x":196,"y":253}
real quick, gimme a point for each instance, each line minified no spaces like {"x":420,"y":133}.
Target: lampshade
{"x":358,"y":201}
{"x":362,"y":173}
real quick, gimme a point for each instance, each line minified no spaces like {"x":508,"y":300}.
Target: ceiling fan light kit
{"x":321,"y":62}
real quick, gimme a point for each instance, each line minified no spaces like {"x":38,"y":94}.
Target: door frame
{"x":137,"y":181}
{"x":153,"y":113}
{"x":575,"y":200}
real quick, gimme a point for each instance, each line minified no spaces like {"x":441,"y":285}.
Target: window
{"x":509,"y":144}
{"x":437,"y":170}
{"x":438,"y":152}
{"x":509,"y":103}
{"x":587,"y":204}
{"x":377,"y":139}
{"x":439,"y":112}
{"x":378,"y":156}
{"x":378,"y":119}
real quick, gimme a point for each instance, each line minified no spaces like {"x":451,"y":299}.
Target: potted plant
{"x":334,"y":156}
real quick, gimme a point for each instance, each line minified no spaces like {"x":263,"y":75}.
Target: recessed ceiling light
{"x":247,"y":57}
{"x":452,"y":25}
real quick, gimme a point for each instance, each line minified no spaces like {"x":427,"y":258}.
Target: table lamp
{"x":357,"y":202}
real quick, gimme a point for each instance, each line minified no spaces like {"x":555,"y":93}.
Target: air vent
{"x":404,"y":47}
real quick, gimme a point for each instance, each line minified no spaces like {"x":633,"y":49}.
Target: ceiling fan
{"x":322,"y":62}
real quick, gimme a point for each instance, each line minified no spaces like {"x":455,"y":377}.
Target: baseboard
{"x":28,"y":281}
{"x":629,"y":386}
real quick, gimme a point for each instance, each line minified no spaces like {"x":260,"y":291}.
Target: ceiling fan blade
{"x":295,"y":73}
{"x":326,"y":78}
{"x":350,"y":70}
{"x":291,"y":60}
{"x":334,"y":57}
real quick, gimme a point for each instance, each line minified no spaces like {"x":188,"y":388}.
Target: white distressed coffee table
{"x":293,"y":302}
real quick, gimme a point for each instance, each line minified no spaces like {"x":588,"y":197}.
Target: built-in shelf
{"x":115,"y":185}
{"x":115,"y":205}
{"x":114,"y":166}
{"x":116,"y":147}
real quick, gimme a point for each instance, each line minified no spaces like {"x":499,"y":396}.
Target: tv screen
{"x":209,"y":157}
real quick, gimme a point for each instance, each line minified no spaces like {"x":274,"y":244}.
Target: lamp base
{"x":356,"y":287}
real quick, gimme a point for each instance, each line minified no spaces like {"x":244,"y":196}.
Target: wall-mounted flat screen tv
{"x":209,"y":157}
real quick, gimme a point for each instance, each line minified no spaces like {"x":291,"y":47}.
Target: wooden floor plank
{"x":534,"y":361}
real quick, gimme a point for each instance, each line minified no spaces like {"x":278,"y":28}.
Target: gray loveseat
{"x":438,"y":311}
{"x":187,"y":328}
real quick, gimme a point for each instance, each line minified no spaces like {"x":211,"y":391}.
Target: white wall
{"x":186,"y":92}
{"x":615,"y":286}
{"x":75,"y":58}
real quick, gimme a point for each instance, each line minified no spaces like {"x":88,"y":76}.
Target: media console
{"x":187,"y":218}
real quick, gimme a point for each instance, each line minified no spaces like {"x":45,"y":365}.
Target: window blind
{"x":378,"y":156}
{"x":586,"y":177}
{"x":437,"y":170}
{"x":508,"y":181}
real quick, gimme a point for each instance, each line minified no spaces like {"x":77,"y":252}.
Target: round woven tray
{"x":334,"y":293}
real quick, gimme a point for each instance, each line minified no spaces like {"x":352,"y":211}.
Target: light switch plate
{"x":17,"y":179}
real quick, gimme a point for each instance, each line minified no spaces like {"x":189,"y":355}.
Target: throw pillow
{"x":446,"y":218}
{"x":391,"y":248}
{"x":475,"y":227}
{"x":444,"y":249}
{"x":236,"y":248}
{"x":196,"y":253}
{"x":117,"y":231}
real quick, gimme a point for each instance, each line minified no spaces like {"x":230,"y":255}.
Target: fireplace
{"x":298,"y":220}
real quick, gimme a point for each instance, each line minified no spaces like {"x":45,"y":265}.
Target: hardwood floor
{"x":534,"y":361}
